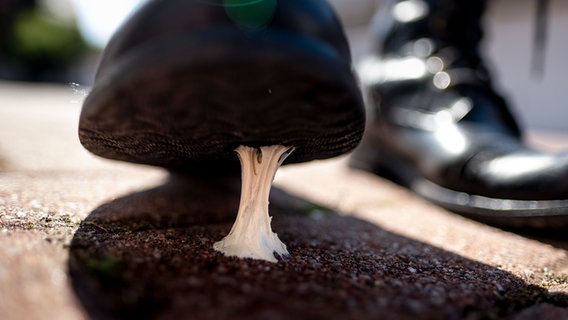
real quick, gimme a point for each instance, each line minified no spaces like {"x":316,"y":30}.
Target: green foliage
{"x":38,"y":40}
{"x":103,"y":268}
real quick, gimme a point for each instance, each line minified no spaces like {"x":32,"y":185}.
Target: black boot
{"x":438,"y":126}
{"x":185,"y":82}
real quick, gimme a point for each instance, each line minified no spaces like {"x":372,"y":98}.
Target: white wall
{"x":540,"y":103}
{"x":509,"y":25}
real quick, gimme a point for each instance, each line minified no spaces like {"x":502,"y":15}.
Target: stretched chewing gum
{"x":251,"y":235}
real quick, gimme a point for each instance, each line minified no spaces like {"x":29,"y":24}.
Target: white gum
{"x":251,"y":235}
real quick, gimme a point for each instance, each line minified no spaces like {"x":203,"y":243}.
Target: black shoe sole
{"x":505,"y":213}
{"x":190,"y":100}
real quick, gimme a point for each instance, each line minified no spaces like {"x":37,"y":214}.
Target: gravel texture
{"x":85,"y":238}
{"x":339,"y":267}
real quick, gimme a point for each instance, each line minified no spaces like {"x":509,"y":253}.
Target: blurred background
{"x":60,"y":41}
{"x":56,"y":40}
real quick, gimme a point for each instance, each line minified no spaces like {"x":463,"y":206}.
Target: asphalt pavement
{"x":83,"y":237}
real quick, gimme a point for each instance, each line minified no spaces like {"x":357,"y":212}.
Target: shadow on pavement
{"x":149,"y":255}
{"x":555,"y":238}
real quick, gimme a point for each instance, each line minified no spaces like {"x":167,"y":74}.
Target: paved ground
{"x":82,"y":237}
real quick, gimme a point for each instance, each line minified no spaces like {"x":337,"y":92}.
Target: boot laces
{"x":540,"y":37}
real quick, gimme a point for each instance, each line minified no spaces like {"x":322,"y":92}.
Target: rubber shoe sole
{"x":188,"y":101}
{"x":507,"y":213}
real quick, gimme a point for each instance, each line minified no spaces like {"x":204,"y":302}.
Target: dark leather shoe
{"x":185,"y":82}
{"x":438,"y":127}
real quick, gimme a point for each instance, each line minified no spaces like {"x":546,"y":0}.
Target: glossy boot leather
{"x":184,"y":82}
{"x":437,"y":126}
